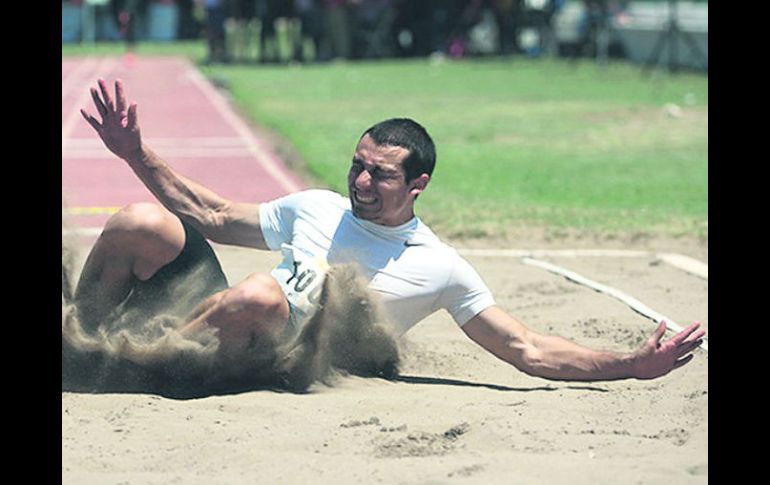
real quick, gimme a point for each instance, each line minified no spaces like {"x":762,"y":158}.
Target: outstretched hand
{"x":658,"y":358}
{"x":118,"y":129}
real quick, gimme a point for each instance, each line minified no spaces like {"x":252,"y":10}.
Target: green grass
{"x":524,"y":142}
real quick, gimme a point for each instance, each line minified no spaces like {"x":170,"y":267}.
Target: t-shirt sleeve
{"x":276,"y":218}
{"x":466,"y":295}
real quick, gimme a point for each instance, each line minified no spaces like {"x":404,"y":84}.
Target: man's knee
{"x":140,"y":218}
{"x":260,"y":294}
{"x":253,"y":308}
{"x":146,"y":232}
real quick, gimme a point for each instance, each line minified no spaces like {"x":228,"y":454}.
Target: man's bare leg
{"x":135,"y":244}
{"x":253,"y":310}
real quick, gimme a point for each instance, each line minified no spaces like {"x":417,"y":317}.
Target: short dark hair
{"x":407,"y":133}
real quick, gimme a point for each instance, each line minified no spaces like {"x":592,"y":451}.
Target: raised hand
{"x":658,"y":358}
{"x":118,"y":129}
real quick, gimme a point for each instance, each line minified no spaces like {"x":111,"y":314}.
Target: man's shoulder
{"x":320,"y":194}
{"x":436,"y":251}
{"x":312,"y":199}
{"x":424,"y":236}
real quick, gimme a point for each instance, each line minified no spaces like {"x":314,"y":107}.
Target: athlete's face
{"x":377,"y":184}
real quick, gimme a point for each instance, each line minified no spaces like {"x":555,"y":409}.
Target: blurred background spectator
{"x":215,"y":16}
{"x":310,"y":15}
{"x":323,"y":30}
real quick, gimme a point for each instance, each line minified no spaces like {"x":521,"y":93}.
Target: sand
{"x":455,"y":414}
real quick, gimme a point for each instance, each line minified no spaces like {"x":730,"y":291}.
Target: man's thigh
{"x":178,"y":287}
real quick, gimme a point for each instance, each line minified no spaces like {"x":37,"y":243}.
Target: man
{"x":144,"y":245}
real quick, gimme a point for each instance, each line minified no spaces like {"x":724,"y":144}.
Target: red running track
{"x":183,"y":118}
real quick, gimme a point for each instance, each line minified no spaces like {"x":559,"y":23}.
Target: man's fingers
{"x":695,"y":336}
{"x":98,"y":102}
{"x":106,"y":95}
{"x":120,"y":99}
{"x":91,"y":120}
{"x":682,"y":336}
{"x":689,"y":347}
{"x":658,"y":334}
{"x":132,"y":117}
{"x":679,"y":363}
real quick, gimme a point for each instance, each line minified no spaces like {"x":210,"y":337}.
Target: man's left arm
{"x":556,"y":358}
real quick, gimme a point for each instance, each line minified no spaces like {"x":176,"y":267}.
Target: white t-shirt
{"x":414,"y":273}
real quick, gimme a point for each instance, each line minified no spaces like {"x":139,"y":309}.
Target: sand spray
{"x":138,"y":351}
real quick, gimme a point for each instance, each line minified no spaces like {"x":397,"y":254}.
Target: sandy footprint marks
{"x":399,"y":442}
{"x":421,"y":443}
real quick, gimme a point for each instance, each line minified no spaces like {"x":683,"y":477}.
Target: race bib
{"x":301,"y":277}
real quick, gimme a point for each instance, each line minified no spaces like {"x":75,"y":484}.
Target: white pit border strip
{"x":685,"y":263}
{"x":635,"y":304}
{"x":692,"y":266}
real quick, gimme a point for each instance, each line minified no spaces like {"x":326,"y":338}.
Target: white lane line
{"x":635,"y":304}
{"x":75,"y":77}
{"x":180,"y":152}
{"x":204,"y":141}
{"x":264,"y":157}
{"x":207,"y":147}
{"x":685,"y":263}
{"x":103,"y":69}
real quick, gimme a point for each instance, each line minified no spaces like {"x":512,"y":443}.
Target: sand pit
{"x":140,"y":349}
{"x":454,"y":413}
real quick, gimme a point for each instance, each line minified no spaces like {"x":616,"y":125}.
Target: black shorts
{"x":178,"y":287}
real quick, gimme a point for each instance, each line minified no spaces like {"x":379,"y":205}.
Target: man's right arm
{"x":556,"y":358}
{"x":215,"y":217}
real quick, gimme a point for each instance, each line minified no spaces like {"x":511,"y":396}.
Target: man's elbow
{"x":212,"y":223}
{"x":530,"y":361}
{"x":525,"y":356}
